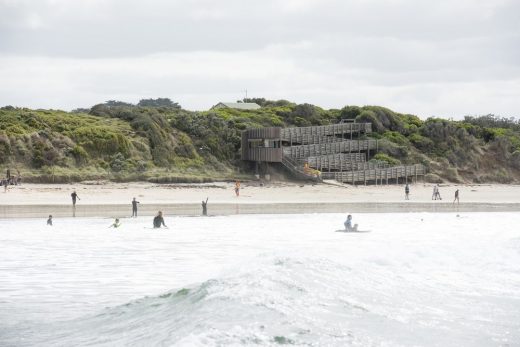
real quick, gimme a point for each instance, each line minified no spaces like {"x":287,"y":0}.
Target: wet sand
{"x":113,"y":200}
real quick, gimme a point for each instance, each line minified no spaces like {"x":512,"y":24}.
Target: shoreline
{"x":113,"y":199}
{"x":218,"y":209}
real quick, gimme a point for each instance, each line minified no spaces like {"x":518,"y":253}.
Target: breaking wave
{"x":272,"y":300}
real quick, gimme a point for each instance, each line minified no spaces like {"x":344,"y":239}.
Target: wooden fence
{"x":394,"y":174}
{"x":326,"y":130}
{"x":347,"y":146}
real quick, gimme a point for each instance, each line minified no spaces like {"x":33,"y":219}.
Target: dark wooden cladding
{"x":265,"y":154}
{"x":263,"y":133}
{"x":347,"y":146}
{"x":326,"y":130}
{"x":261,"y":153}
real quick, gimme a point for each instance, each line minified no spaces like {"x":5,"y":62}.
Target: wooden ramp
{"x":339,"y":151}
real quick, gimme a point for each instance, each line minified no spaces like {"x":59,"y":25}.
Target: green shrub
{"x":396,"y":137}
{"x":386,"y":158}
{"x":80,"y":155}
{"x":421,"y":142}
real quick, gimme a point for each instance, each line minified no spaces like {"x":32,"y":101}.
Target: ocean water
{"x":415,"y":279}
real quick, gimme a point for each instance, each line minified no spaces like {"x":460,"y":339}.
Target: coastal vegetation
{"x":157,"y":140}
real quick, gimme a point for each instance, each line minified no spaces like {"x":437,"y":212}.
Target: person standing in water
{"x":49,"y":221}
{"x":205,"y":207}
{"x":134,"y":207}
{"x":158,"y":221}
{"x":406,"y":192}
{"x":237,"y":188}
{"x":116,"y":224}
{"x":74,"y":196}
{"x":456,"y":197}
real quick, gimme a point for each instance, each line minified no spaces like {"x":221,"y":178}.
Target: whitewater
{"x":416,"y":279}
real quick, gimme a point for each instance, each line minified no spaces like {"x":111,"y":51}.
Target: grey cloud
{"x":128,"y":28}
{"x":428,"y":57}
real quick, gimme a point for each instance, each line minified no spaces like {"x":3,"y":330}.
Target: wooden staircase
{"x":339,"y":152}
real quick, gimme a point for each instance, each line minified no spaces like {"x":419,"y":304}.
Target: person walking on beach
{"x":205,"y":207}
{"x":5,"y":183}
{"x":158,"y":221}
{"x":237,"y":188}
{"x":436,"y":195}
{"x":456,"y":197}
{"x":134,"y":207}
{"x":74,"y":196}
{"x":49,"y":221}
{"x":406,"y":192}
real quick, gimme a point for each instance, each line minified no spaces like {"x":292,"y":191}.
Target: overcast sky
{"x":430,"y":58}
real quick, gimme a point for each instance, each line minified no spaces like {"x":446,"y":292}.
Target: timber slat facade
{"x":326,"y":130}
{"x":378,"y":175}
{"x":336,"y":151}
{"x":305,"y":151}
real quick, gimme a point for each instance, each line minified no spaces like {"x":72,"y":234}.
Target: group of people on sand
{"x":436,"y":195}
{"x":10,"y":180}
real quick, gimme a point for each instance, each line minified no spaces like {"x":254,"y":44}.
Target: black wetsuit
{"x":134,"y":208}
{"x":205,"y":208}
{"x":158,"y":221}
{"x":49,"y":221}
{"x":74,"y":196}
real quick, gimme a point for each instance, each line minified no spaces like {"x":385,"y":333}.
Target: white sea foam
{"x":414,"y":280}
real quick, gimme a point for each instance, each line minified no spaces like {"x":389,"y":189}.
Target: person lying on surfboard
{"x":348,"y":224}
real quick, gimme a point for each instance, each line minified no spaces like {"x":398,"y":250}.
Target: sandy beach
{"x":110,"y":199}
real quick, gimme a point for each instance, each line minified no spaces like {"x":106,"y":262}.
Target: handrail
{"x":292,"y":165}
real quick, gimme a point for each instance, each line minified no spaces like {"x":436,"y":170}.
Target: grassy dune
{"x":123,"y":142}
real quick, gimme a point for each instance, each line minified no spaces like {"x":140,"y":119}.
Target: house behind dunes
{"x":237,"y":105}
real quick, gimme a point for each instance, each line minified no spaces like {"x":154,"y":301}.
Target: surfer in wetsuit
{"x":406,"y":192}
{"x":205,"y":207}
{"x":134,"y":207}
{"x":74,"y":196}
{"x":49,"y":221}
{"x":348,"y":224}
{"x":116,"y":224}
{"x":456,"y":196}
{"x":158,"y":221}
